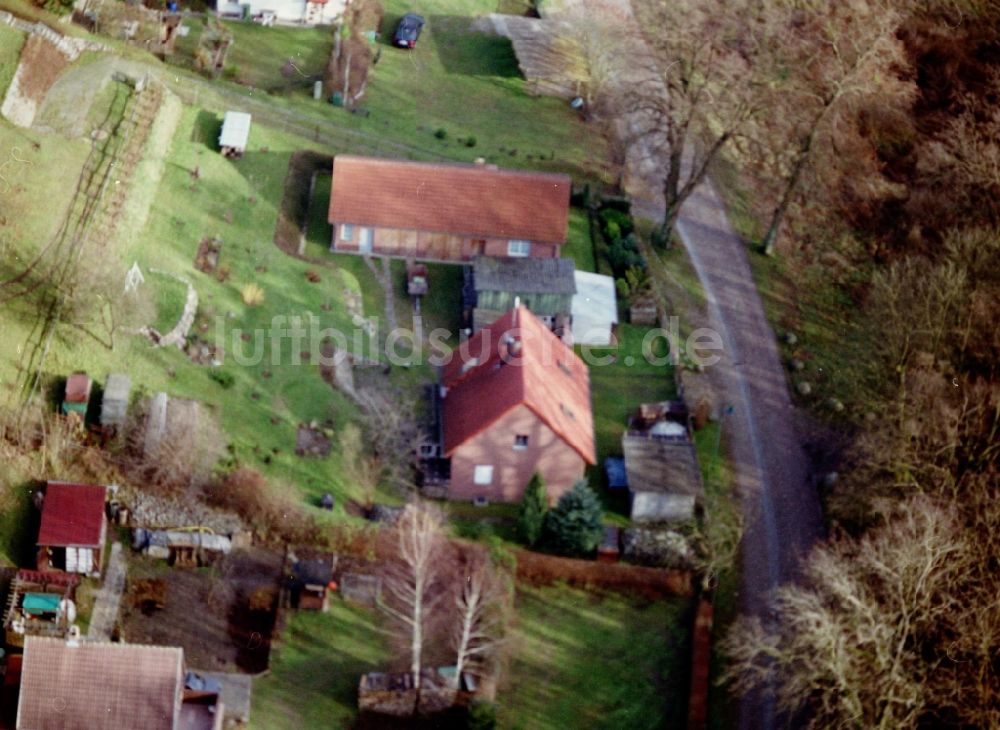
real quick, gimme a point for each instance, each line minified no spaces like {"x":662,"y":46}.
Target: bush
{"x":252,"y":295}
{"x":482,"y":715}
{"x":621,"y":286}
{"x":470,"y":141}
{"x":223,"y":377}
{"x":441,"y":133}
{"x":612,"y":219}
{"x":574,"y":526}
{"x":534,"y":505}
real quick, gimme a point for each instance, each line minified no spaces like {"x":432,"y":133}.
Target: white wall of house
{"x":660,"y":507}
{"x":289,"y":11}
{"x":79,"y":560}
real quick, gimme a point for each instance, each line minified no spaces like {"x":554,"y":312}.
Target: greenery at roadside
{"x":586,"y":661}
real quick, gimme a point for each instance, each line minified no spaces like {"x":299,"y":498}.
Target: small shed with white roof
{"x":235,"y":134}
{"x":595,"y":309}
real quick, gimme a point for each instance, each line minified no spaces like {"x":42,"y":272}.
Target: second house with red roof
{"x":516,"y":401}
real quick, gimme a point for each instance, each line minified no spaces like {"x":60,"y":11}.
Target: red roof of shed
{"x":72,"y":515}
{"x":545,"y":375}
{"x":468,"y":200}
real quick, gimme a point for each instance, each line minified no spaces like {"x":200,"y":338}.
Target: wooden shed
{"x":114,"y":404}
{"x":494,"y":285}
{"x":73,"y":529}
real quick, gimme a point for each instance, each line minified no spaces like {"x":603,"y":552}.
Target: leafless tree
{"x":360,"y":467}
{"x":394,"y":432}
{"x":414,"y":580}
{"x":893,"y":630}
{"x":831,"y":58}
{"x":180,"y":455}
{"x":479,"y":601}
{"x":711,"y":59}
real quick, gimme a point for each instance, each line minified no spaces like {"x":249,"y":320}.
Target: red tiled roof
{"x":469,"y":200}
{"x":72,"y":515}
{"x":546,"y":376}
{"x":78,"y":388}
{"x":99,"y":686}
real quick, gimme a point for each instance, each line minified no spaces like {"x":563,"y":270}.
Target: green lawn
{"x":578,"y":246}
{"x":315,"y":669}
{"x":585,"y":662}
{"x":11,"y":41}
{"x":259,"y":54}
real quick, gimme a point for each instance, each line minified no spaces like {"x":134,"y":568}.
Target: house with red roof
{"x":73,"y":529}
{"x":445,"y":212}
{"x":516,"y":401}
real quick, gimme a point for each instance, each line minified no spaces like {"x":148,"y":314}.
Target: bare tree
{"x":891,"y":631}
{"x":413,"y":581}
{"x":831,"y":57}
{"x":479,"y":601}
{"x":177,"y":452}
{"x":395,"y":434}
{"x":360,"y":467}
{"x":711,"y":59}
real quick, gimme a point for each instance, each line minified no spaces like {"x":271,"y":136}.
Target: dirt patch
{"x":223,"y":617}
{"x":288,"y":234}
{"x":206,"y":259}
{"x":314,"y":439}
{"x":40,"y":66}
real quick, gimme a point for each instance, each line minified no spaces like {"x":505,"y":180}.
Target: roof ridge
{"x":454,"y":164}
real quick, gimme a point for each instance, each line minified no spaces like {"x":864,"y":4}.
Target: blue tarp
{"x":614,"y":467}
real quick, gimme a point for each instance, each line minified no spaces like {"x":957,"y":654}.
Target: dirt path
{"x":109,"y":598}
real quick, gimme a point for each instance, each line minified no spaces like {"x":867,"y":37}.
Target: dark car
{"x":408,"y":30}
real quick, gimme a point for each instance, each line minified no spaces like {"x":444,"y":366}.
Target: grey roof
{"x":235,"y":130}
{"x":528,"y":275}
{"x":666,"y":465}
{"x":115,"y":401}
{"x":143,"y":538}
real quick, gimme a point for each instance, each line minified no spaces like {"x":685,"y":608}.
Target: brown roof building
{"x":99,"y":686}
{"x":445,"y":212}
{"x":517,"y":402}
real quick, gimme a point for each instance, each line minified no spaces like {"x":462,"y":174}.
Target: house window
{"x":483,"y":474}
{"x":367,"y":240}
{"x":346,"y":232}
{"x":517,"y":247}
{"x":520,"y":442}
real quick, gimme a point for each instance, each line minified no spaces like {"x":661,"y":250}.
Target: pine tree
{"x":574,"y":526}
{"x":534,"y":505}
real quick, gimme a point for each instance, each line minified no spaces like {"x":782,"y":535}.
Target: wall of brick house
{"x":405,"y":243}
{"x":558,"y":463}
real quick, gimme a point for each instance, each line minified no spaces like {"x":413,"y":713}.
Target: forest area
{"x":869,"y":133}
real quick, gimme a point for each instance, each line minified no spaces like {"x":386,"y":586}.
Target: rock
{"x":803,"y":388}
{"x":796,"y":365}
{"x":790,"y":338}
{"x":835,"y":404}
{"x":871,"y":416}
{"x":829,"y":480}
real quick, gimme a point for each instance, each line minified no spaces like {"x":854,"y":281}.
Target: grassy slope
{"x":316,"y":667}
{"x":588,"y":662}
{"x":11,"y":41}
